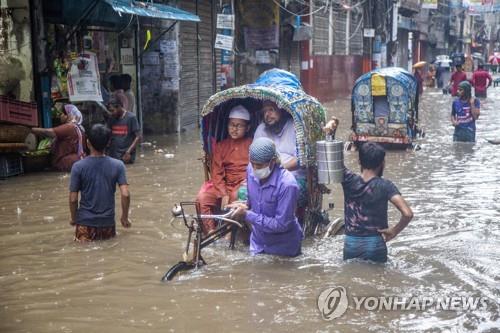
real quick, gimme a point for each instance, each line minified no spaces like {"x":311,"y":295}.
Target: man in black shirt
{"x":365,"y":207}
{"x":125,"y":131}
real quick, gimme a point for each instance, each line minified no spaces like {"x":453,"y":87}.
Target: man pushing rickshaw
{"x":279,"y":198}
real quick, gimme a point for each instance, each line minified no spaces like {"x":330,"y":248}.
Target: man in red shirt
{"x":457,"y":77}
{"x":481,"y":80}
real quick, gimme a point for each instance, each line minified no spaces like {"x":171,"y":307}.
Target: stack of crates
{"x":17,"y":112}
{"x":10,"y":165}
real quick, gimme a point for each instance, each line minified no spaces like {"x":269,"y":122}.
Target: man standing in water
{"x":271,"y":203}
{"x":481,"y":80}
{"x":465,"y":111}
{"x":95,"y":178}
{"x":457,"y":77}
{"x":365,"y":207}
{"x":125,"y":130}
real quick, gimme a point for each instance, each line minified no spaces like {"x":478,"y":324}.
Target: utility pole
{"x":461,"y":40}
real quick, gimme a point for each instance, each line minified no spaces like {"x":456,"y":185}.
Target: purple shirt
{"x":275,"y":229}
{"x":461,"y":110}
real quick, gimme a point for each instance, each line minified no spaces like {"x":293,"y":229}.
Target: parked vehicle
{"x":385,"y":108}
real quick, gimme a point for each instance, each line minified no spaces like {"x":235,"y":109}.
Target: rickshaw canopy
{"x":275,"y":85}
{"x":385,"y":106}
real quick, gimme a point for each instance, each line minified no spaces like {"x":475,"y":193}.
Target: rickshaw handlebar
{"x":221,"y":217}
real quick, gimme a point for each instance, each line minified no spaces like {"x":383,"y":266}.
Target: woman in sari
{"x":69,"y":144}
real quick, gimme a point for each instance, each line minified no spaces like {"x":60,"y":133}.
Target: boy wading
{"x":465,"y":111}
{"x":95,"y":179}
{"x":365,"y":207}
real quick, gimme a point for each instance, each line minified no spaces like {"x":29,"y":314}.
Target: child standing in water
{"x":465,"y":111}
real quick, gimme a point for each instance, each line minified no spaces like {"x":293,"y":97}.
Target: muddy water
{"x":51,"y":284}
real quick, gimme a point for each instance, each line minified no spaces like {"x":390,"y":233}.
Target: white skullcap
{"x":239,"y":112}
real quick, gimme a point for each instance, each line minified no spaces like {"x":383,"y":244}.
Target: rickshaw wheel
{"x":180,"y":266}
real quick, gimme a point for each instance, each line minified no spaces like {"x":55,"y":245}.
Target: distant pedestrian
{"x":481,"y":80}
{"x":117,"y":89}
{"x":126,"y":85}
{"x":439,"y":75}
{"x":465,"y":111}
{"x":94,"y":179}
{"x":365,"y":207}
{"x":125,"y":131}
{"x":457,"y":77}
{"x":417,"y":72}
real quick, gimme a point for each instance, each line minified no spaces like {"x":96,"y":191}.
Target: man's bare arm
{"x":125,"y":201}
{"x":73,"y":206}
{"x":292,"y":164}
{"x":406,"y":216}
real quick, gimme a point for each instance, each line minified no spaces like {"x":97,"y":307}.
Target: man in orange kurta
{"x":228,"y":167}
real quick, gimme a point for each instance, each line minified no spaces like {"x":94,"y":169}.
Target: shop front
{"x":97,"y":46}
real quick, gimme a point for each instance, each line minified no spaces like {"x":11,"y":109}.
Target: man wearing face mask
{"x":271,"y":203}
{"x":365,"y":207}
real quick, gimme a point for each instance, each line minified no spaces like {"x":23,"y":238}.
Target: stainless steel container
{"x":330,"y":156}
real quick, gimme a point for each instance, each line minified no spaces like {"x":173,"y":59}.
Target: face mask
{"x":262,"y":173}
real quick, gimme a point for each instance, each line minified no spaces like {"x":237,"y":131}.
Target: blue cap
{"x":262,"y":150}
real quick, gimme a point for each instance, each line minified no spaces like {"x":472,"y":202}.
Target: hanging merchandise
{"x":148,"y":39}
{"x":59,"y":79}
{"x":83,"y":79}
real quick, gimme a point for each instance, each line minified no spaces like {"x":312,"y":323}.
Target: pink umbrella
{"x":494,"y":59}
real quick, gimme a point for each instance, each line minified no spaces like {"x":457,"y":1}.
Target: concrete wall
{"x":334,"y":76}
{"x":16,"y":67}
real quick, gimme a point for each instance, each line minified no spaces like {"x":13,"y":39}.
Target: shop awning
{"x":108,"y":13}
{"x":150,"y":9}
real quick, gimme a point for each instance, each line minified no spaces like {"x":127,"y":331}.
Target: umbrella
{"x":495,"y":58}
{"x":443,"y":62}
{"x":419,"y":64}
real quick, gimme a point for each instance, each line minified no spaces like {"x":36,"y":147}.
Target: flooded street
{"x":51,"y":284}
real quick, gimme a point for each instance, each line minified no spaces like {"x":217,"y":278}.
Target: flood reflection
{"x":49,"y":283}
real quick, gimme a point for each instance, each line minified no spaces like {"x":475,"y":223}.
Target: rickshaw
{"x":284,"y":89}
{"x":385,"y":108}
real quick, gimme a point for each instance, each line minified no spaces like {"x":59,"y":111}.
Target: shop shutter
{"x":356,"y":34}
{"x":197,"y":81}
{"x":339,"y":21}
{"x":321,"y":32}
{"x":206,"y":55}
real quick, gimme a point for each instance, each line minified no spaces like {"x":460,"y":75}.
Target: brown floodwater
{"x":51,"y":284}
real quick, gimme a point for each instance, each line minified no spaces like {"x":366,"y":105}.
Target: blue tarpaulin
{"x":108,"y":13}
{"x":150,"y":9}
{"x":277,"y":77}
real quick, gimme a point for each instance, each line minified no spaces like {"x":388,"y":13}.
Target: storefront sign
{"x":369,"y":32}
{"x":83,"y":79}
{"x":224,"y":42}
{"x":225,"y":21}
{"x":168,"y":47}
{"x":261,"y":21}
{"x":262,"y":38}
{"x":127,"y":56}
{"x":151,"y":58}
{"x":407,"y":23}
{"x":429,"y":4}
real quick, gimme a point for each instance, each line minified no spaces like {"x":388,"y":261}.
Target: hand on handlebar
{"x":239,"y":210}
{"x":224,"y":202}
